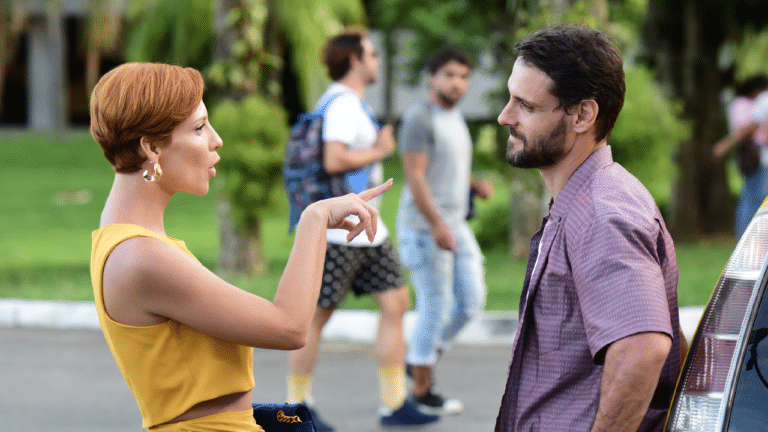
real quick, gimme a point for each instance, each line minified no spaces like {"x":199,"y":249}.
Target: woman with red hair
{"x":182,"y":337}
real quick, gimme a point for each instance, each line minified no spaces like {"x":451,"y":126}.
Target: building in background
{"x":45,"y":82}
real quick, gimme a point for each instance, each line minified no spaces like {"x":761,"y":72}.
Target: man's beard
{"x":371,"y":78}
{"x":541,"y":153}
{"x":446,"y":99}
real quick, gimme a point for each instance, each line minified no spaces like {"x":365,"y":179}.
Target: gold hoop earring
{"x":158,"y":172}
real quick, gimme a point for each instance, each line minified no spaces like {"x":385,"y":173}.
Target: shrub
{"x":647,"y":134}
{"x":254,"y":131}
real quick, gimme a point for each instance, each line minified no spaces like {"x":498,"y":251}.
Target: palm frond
{"x":307,"y":25}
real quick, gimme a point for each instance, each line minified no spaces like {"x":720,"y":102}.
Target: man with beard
{"x":353,"y":144}
{"x":597,"y":345}
{"x":436,"y":244}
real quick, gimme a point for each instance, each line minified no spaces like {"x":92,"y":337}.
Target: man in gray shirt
{"x":436,"y":244}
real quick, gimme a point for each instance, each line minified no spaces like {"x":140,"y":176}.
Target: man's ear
{"x":353,"y":61}
{"x":586,"y":115}
{"x":151,"y":151}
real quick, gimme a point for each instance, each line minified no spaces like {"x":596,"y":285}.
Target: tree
{"x":306,"y":26}
{"x":169,"y":32}
{"x":254,"y":36}
{"x":683,"y":41}
{"x":14,"y":17}
{"x":254,"y":129}
{"x":104,"y":23}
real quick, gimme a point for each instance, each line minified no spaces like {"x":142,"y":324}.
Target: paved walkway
{"x":67,"y":381}
{"x":58,"y":374}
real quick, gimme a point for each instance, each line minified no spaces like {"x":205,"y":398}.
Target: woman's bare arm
{"x":146,"y":279}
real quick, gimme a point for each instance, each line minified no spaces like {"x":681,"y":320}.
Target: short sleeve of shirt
{"x":760,"y":110}
{"x":416,"y":133}
{"x":340,"y":113}
{"x":619,"y":281}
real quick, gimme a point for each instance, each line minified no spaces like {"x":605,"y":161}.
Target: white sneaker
{"x":436,"y":404}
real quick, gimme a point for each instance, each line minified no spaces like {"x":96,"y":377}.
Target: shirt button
{"x":559,"y":218}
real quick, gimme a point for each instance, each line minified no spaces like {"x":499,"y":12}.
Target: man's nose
{"x":506,"y":117}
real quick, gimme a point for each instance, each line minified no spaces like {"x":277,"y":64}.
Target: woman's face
{"x":188,"y":161}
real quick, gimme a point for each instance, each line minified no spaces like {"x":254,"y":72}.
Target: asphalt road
{"x":67,"y":380}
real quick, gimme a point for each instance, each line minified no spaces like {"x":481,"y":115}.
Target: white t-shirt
{"x":346,"y":121}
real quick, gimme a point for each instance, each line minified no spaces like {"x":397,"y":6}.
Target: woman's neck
{"x":132,"y":200}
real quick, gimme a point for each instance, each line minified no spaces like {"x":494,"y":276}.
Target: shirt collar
{"x":337,"y":87}
{"x":596,"y":161}
{"x":440,"y":108}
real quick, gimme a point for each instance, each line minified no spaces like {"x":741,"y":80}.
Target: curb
{"x":48,"y":314}
{"x":490,"y":328}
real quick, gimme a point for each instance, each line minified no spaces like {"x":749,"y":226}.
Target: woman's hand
{"x":335,"y":211}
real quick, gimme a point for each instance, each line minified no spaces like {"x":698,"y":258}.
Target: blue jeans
{"x":449,"y":286}
{"x":753,"y":192}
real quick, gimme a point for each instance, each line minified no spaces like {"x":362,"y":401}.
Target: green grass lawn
{"x":55,"y":187}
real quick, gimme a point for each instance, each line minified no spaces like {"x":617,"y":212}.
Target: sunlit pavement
{"x":66,"y":380}
{"x":57,"y":373}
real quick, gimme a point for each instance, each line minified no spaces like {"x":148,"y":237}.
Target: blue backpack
{"x":304,"y":177}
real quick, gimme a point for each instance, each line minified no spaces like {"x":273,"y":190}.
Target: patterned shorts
{"x":365,"y":270}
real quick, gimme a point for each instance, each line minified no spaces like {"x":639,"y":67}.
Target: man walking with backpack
{"x":353,"y":146}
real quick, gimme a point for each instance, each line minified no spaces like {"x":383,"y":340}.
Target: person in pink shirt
{"x":748,"y":123}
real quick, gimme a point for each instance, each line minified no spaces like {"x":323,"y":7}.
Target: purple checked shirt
{"x":602,"y":267}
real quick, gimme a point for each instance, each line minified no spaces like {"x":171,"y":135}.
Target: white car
{"x":722,"y":385}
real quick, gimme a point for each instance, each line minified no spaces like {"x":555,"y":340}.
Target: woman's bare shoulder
{"x":136,"y":272}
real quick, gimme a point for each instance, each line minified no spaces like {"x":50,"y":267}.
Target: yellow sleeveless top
{"x":169,"y":367}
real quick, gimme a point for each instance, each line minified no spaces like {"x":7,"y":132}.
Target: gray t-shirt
{"x":443,"y":135}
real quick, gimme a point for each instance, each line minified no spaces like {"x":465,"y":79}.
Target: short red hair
{"x":137,"y":100}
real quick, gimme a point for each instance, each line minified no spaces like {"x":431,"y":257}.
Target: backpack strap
{"x":356,"y":179}
{"x":367,"y":109}
{"x":373,"y":118}
{"x":324,"y":107}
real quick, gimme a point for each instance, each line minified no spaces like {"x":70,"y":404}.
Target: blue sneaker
{"x":406,"y":415}
{"x":320,"y":425}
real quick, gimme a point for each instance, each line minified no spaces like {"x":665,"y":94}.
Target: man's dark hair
{"x":584,"y":64}
{"x":753,"y":84}
{"x":448,"y":54}
{"x":340,"y":49}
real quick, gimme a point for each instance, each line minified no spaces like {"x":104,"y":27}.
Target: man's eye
{"x":199,"y":128}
